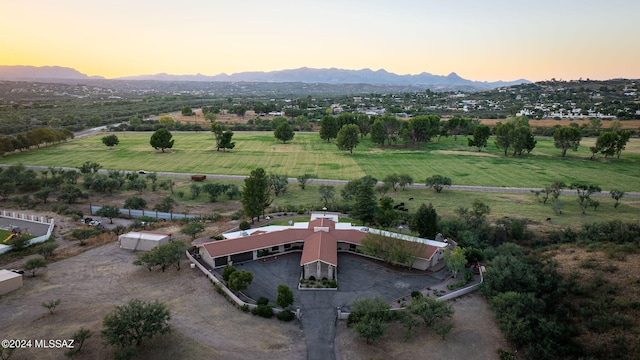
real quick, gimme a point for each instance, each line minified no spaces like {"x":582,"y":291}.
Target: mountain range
{"x":300,"y":75}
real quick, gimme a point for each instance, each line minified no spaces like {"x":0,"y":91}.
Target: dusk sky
{"x":480,"y":40}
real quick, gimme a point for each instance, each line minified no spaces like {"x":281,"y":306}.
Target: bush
{"x":312,"y":278}
{"x":263,"y":301}
{"x":216,"y":237}
{"x":263,"y":310}
{"x":286,"y":315}
{"x":244,"y":308}
{"x":244,"y":225}
{"x":415,"y":294}
{"x":333,"y":284}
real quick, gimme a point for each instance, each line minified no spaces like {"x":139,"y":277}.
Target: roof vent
{"x":321,"y":228}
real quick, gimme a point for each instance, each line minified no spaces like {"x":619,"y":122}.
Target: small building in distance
{"x":143,"y":240}
{"x":9,"y":281}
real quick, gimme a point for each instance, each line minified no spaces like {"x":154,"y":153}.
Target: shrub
{"x":263,"y":310}
{"x":415,"y":294}
{"x":263,"y":301}
{"x":216,"y":237}
{"x":244,"y":308}
{"x":333,"y":284}
{"x":312,"y":278}
{"x":286,"y":315}
{"x":244,"y":225}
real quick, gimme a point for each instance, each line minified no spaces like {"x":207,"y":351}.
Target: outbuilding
{"x":9,"y":281}
{"x":143,"y":240}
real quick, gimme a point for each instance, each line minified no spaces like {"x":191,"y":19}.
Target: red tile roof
{"x":320,"y":242}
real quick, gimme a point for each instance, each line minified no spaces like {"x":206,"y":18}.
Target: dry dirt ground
{"x":90,"y":285}
{"x":475,"y":336}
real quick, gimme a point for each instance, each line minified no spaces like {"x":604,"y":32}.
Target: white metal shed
{"x":143,"y":240}
{"x":9,"y":281}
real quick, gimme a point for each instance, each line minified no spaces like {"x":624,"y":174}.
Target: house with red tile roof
{"x":320,"y":239}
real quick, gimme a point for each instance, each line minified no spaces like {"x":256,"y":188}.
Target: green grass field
{"x":307,"y":153}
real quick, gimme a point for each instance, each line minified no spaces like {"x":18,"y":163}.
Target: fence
{"x":154,"y":214}
{"x":50,"y":223}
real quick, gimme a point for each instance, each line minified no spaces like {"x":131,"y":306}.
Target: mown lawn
{"x":307,"y":153}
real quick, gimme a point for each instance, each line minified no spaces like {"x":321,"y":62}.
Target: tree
{"x":70,"y":193}
{"x":327,"y":194}
{"x":425,"y":221}
{"x":167,"y":121}
{"x":404,"y":180}
{"x":584,"y":192}
{"x":370,"y":315}
{"x":285,"y":296}
{"x":34,"y":265}
{"x":166,"y":204}
{"x":51,"y":305}
{"x":225,"y":141}
{"x":278,"y":184}
{"x":128,"y":325}
{"x":89,"y":167}
{"x":109,"y":212}
{"x":378,"y":132}
{"x":47,"y":249}
{"x":187,"y":111}
{"x":481,"y":135}
{"x":438,"y":182}
{"x":255,"y":195}
{"x":455,"y":260}
{"x":328,"y":128}
{"x":162,"y":256}
{"x":348,"y":138}
{"x":391,"y":249}
{"x":192,"y":229}
{"x":430,"y":310}
{"x":393,"y":180}
{"x":227,"y":271}
{"x":135,"y":202}
{"x":161,"y":139}
{"x":110,"y":140}
{"x":616,"y":195}
{"x":566,"y":138}
{"x":515,"y":134}
{"x":79,"y":337}
{"x":240,"y":280}
{"x":217,"y":131}
{"x":370,"y":328}
{"x":365,"y":205}
{"x":303,"y":180}
{"x":284,"y":132}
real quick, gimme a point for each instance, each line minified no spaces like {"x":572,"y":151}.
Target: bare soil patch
{"x":475,"y":336}
{"x":90,"y":285}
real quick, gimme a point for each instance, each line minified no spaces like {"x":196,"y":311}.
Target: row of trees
{"x":36,"y":137}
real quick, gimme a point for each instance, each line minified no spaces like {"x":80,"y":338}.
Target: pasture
{"x":307,"y":153}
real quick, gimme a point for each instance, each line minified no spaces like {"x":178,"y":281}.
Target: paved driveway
{"x":357,"y":278}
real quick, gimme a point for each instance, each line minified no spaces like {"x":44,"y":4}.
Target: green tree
{"x":348,"y":138}
{"x":110,"y":140}
{"x":51,"y":305}
{"x":284,"y":132}
{"x":129,"y":325}
{"x":327,"y":194}
{"x":71,"y":193}
{"x":47,"y":249}
{"x":225,"y":142}
{"x":165,"y":205}
{"x":370,"y":315}
{"x":227,"y":271}
{"x":278,"y":184}
{"x":438,"y":182}
{"x":217,"y":131}
{"x":515,"y":134}
{"x":378,"y":132}
{"x":365,"y":205}
{"x":425,"y":221}
{"x":430,"y":310}
{"x":566,"y":138}
{"x":584,"y":192}
{"x":187,"y":111}
{"x":616,"y":195}
{"x":455,"y":260}
{"x":481,"y":135}
{"x":370,"y":328}
{"x":109,"y":212}
{"x":167,"y":121}
{"x":405,"y":180}
{"x":328,"y":128}
{"x":79,"y":338}
{"x":90,"y":167}
{"x":303,"y":180}
{"x":35,"y":264}
{"x":393,"y":180}
{"x":162,"y":256}
{"x":161,"y":139}
{"x":285,"y":296}
{"x":255,"y":195}
{"x":240,"y":280}
{"x":136,"y":203}
{"x":192,"y":229}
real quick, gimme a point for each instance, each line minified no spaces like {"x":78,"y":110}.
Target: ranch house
{"x":319,"y":240}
